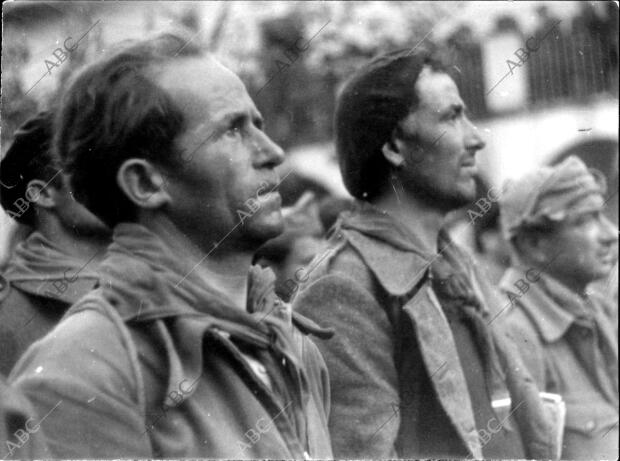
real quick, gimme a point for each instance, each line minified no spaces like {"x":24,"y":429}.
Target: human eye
{"x":587,"y":218}
{"x":235,"y":127}
{"x":454,"y":114}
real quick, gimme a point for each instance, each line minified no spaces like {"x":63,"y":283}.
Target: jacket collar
{"x":140,"y":283}
{"x":41,"y":268}
{"x":393,"y":255}
{"x":551,"y":306}
{"x":141,"y":274}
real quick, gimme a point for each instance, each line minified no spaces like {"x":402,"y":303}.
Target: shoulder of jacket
{"x":346,"y":261}
{"x":519,"y":325}
{"x":94,"y":306}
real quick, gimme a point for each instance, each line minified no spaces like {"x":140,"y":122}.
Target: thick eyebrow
{"x":456,"y":107}
{"x":230,"y":117}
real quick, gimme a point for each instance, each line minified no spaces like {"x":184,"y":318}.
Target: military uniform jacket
{"x":391,"y":339}
{"x":158,"y":363}
{"x":570,"y":347}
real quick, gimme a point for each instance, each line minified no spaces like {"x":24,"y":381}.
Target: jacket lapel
{"x":399,"y":272}
{"x":442,"y":364}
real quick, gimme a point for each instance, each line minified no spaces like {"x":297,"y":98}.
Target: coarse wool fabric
{"x":39,"y":284}
{"x":550,"y":192}
{"x":569,"y":344}
{"x":397,"y":385}
{"x":152,"y":365}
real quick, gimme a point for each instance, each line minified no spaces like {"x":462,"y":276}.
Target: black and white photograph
{"x":309,"y":230}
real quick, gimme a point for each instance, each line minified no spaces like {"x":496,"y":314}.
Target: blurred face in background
{"x":582,"y":248}
{"x":439,"y":144}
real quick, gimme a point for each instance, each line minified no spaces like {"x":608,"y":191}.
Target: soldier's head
{"x":35,"y":188}
{"x":400,"y":117}
{"x":161,"y":130}
{"x":554,"y":221}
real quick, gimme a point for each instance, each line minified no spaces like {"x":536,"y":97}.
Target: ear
{"x":143,"y":183}
{"x":42,"y":193}
{"x":392,"y":151}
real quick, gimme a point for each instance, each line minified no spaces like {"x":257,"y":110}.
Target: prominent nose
{"x":608,"y":232}
{"x":474,"y":141}
{"x":269,"y":154}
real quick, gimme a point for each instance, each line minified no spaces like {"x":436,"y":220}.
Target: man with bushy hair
{"x":416,"y":362}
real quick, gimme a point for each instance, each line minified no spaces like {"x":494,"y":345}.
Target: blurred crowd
{"x":167,"y":293}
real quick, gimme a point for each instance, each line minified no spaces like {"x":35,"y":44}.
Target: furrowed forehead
{"x":204,"y":89}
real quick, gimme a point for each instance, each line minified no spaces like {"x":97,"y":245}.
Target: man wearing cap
{"x":55,"y":265}
{"x":561,"y":241}
{"x":415,"y":363}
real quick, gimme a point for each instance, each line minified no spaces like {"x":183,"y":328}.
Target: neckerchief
{"x":146,"y":281}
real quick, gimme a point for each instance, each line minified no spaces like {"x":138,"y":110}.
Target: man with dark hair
{"x":416,"y":363}
{"x":561,"y":242}
{"x":55,"y":265}
{"x":178,"y":353}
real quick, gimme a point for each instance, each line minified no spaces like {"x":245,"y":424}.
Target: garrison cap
{"x":550,"y":193}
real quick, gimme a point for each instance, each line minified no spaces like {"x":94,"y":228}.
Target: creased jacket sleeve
{"x":364,"y":417}
{"x":78,"y":378}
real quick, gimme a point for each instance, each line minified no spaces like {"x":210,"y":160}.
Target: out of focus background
{"x":561,"y":99}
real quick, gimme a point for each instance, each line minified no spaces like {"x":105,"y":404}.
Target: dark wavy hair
{"x":113,"y":110}
{"x":29,"y":157}
{"x":372,"y":102}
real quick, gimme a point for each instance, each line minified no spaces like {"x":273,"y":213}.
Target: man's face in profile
{"x":583,"y":247}
{"x":439,"y":144}
{"x":226,"y":185}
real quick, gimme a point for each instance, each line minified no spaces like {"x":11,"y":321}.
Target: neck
{"x":576,"y":285}
{"x":72,"y":243}
{"x":418,"y":217}
{"x":227,"y":268}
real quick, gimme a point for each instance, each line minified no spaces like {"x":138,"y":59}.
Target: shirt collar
{"x":551,"y":306}
{"x":394,"y":255}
